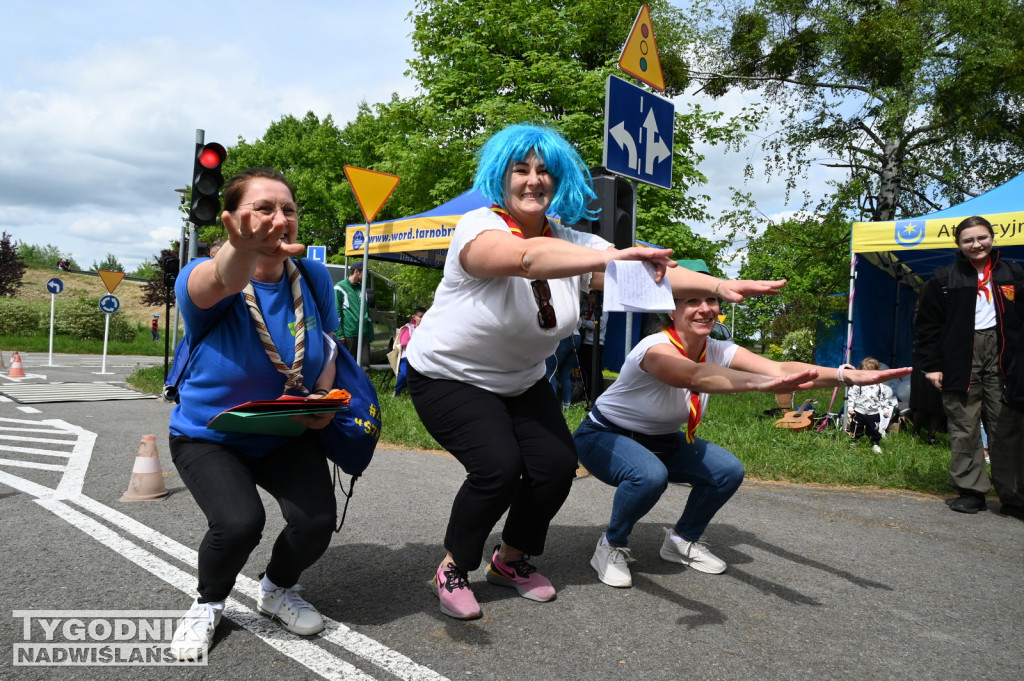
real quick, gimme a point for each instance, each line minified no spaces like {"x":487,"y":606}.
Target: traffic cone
{"x":147,"y":481}
{"x":16,"y":369}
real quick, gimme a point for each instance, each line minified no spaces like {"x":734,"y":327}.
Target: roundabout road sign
{"x":110,"y":304}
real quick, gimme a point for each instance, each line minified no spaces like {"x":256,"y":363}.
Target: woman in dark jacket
{"x":967,"y":330}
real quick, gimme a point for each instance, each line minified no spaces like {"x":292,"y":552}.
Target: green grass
{"x":40,"y":342}
{"x":735,"y":422}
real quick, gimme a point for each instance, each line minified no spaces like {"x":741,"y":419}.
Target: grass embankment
{"x":128,"y":293}
{"x":735,"y":422}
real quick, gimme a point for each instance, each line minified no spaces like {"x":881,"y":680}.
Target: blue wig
{"x":573,"y":186}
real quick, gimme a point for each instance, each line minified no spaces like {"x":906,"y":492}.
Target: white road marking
{"x":59,"y":502}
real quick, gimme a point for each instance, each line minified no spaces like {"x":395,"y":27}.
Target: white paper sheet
{"x":629,"y":287}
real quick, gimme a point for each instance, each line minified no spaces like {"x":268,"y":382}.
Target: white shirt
{"x":985,"y":308}
{"x":640,"y":402}
{"x":870,"y":399}
{"x":484,"y":330}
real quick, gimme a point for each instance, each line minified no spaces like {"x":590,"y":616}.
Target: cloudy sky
{"x":100,"y":101}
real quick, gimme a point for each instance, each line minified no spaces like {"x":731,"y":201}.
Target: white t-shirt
{"x":640,"y":402}
{"x":985,"y":308}
{"x":484,"y":330}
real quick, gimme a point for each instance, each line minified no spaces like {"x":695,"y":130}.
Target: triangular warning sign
{"x":639,"y":56}
{"x":110,"y":279}
{"x":371,"y":188}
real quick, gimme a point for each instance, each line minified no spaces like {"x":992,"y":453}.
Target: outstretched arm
{"x":827,"y":377}
{"x":666,"y":364}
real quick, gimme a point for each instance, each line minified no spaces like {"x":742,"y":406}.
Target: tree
{"x":918,"y":103}
{"x":155,"y":292}
{"x":814,"y":256}
{"x":44,"y":256}
{"x":110,"y":264}
{"x":12,"y":267}
{"x":483,"y":64}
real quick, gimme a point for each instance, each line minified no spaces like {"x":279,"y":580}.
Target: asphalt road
{"x":822,"y":583}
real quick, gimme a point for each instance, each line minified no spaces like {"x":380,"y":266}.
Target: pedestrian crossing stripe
{"x":71,"y":392}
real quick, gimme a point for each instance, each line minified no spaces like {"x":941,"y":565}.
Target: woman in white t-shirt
{"x":632,"y":438}
{"x":476,"y":372}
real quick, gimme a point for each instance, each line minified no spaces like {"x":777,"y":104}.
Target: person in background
{"x":559,"y":367}
{"x":867,"y":403}
{"x":404,"y":336}
{"x":154,"y":326}
{"x":968,"y":334}
{"x":632,"y":440}
{"x":262,"y":329}
{"x":509,"y":294}
{"x":347,"y":294}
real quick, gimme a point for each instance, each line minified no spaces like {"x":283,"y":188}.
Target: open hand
{"x":801,"y":380}
{"x":735,"y":290}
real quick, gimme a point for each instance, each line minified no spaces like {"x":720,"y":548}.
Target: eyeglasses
{"x":266,"y":209}
{"x":981,"y":240}
{"x":542,"y":295}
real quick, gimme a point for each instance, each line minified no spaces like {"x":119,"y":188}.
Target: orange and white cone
{"x":147,"y":481}
{"x":17,"y":371}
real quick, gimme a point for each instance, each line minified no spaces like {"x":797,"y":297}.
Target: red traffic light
{"x":212,"y":155}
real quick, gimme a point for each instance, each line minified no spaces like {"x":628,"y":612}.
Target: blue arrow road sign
{"x":109,"y":304}
{"x":318,"y":253}
{"x":638,"y":129}
{"x":54,"y":285}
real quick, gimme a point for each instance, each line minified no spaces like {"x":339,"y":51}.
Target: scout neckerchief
{"x":694,"y":420}
{"x":546,"y":231}
{"x":292,"y":373}
{"x":984,"y":279}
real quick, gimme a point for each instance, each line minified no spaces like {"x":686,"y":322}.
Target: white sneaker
{"x":612,"y":564}
{"x":292,"y":611}
{"x":194,"y":634}
{"x":691,"y":553}
{"x":876,"y":449}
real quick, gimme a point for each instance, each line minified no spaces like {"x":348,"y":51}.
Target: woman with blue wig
{"x":476,"y":374}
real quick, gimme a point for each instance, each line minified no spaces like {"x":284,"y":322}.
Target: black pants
{"x":351,"y":344}
{"x":223,"y":483}
{"x":593,"y":388}
{"x":518,"y":454}
{"x":866,"y":424}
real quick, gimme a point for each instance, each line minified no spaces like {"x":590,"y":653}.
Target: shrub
{"x":21,"y":318}
{"x":798,"y":346}
{"x":82,"y":318}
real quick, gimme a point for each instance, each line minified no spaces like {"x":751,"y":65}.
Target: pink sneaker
{"x":457,"y":599}
{"x":521,"y":575}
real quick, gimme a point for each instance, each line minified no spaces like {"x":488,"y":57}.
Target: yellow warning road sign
{"x":110,"y":279}
{"x":371,"y":188}
{"x":639,"y":56}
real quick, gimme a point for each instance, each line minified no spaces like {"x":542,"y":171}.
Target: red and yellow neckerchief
{"x":984,"y":280}
{"x":546,"y":231}
{"x":694,"y":420}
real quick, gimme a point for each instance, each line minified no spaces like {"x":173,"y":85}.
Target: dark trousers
{"x":352,"y":345}
{"x":592,"y":386}
{"x":223,"y":483}
{"x":518,"y":455}
{"x":866,"y":424}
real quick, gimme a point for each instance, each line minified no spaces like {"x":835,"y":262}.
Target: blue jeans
{"x":641,"y":466}
{"x":559,"y":367}
{"x":400,"y":380}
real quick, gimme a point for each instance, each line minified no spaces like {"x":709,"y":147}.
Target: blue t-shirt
{"x":230,"y":366}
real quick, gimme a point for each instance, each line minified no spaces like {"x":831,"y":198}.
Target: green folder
{"x":272,"y":417}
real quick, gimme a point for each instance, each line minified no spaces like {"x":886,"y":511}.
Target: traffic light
{"x":614,"y":222}
{"x":170,"y":265}
{"x":206,"y":183}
